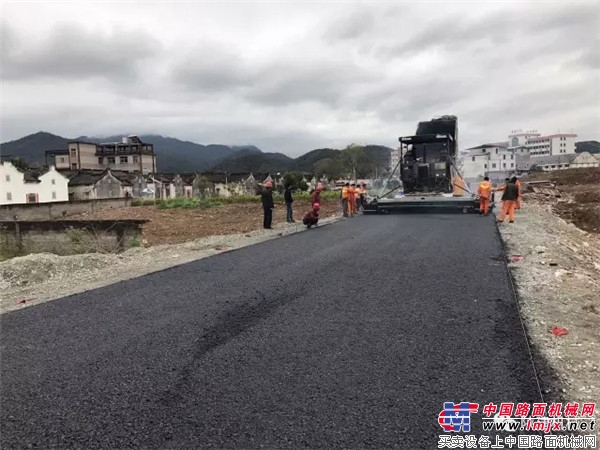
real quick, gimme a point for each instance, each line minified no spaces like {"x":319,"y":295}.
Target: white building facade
{"x":17,"y":187}
{"x":555,"y":144}
{"x":394,"y":158}
{"x":523,"y":150}
{"x":494,"y":160}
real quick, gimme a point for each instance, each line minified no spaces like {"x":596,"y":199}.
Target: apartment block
{"x":129,"y":155}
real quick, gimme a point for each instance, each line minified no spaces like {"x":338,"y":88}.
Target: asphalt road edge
{"x":547,"y":381}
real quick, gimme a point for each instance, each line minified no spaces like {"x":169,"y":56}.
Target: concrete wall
{"x":108,"y":187}
{"x":68,"y":237}
{"x":48,"y":211}
{"x":83,"y":155}
{"x":61,"y":162}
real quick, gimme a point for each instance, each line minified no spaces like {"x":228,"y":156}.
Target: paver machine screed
{"x":426,"y":178}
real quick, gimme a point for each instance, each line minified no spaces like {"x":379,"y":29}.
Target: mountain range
{"x":174,"y":155}
{"x":587,"y":146}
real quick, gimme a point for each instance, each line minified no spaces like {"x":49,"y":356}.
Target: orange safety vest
{"x":484,"y":190}
{"x":345,"y":193}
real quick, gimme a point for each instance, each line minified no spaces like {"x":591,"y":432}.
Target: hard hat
{"x":268,"y":184}
{"x":316,"y":206}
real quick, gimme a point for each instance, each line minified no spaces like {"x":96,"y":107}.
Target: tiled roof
{"x":56,"y":152}
{"x":83,"y":178}
{"x":495,"y":144}
{"x":552,"y":160}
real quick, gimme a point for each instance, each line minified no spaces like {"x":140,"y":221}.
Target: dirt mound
{"x":42,"y":267}
{"x":585,"y":216}
{"x":568,"y":177}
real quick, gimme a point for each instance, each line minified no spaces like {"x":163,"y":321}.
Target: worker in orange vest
{"x":345,"y":199}
{"x":518,"y":204}
{"x":352,"y":199}
{"x":485,"y":193}
{"x":357,"y":197}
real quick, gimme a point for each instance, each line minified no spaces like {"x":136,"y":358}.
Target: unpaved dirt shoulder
{"x":37,"y":278}
{"x":558,"y":284}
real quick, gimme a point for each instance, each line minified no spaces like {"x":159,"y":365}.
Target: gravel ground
{"x":558,"y":285}
{"x":37,"y":278}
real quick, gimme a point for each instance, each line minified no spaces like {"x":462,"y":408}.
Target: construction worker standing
{"x":289,"y":200}
{"x":352,"y":199}
{"x":268,"y":205}
{"x":345,"y":199}
{"x":316,"y":195}
{"x":358,"y":194}
{"x":363,"y":196}
{"x":509,"y":200}
{"x":485,"y":193}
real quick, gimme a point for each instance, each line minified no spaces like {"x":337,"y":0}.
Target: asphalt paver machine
{"x":426,"y":178}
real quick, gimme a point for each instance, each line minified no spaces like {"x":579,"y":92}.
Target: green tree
{"x":356,"y":162}
{"x":294,"y":181}
{"x":201,"y":184}
{"x":19,"y":163}
{"x":331,"y":168}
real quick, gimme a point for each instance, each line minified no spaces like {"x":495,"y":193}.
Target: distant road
{"x":348,"y":336}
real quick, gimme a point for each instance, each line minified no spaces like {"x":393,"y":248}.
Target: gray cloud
{"x":72,"y":51}
{"x":327,"y":82}
{"x":212,"y":67}
{"x":517,"y":26}
{"x":291,"y":78}
{"x":351,"y":27}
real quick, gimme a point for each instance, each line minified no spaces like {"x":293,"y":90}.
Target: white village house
{"x":18,"y":187}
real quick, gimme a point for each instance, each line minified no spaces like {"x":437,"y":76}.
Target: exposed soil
{"x":579,"y":200}
{"x":174,"y":226}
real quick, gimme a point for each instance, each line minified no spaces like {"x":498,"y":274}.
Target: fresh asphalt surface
{"x":346,"y":336}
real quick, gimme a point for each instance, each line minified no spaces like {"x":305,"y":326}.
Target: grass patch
{"x":211,"y":202}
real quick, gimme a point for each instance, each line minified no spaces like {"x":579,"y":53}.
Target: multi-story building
{"x":518,"y":138}
{"x":394,"y":158}
{"x":555,"y":144}
{"x":495,"y":160}
{"x":521,"y":151}
{"x":130,"y":155}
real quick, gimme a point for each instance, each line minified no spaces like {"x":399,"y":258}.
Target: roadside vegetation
{"x":211,"y":202}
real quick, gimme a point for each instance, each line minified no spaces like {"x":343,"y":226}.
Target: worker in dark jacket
{"x":268,"y":205}
{"x":312,"y":217}
{"x":287,"y":196}
{"x":509,"y":200}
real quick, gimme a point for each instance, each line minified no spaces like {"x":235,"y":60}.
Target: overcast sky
{"x":291,"y":77}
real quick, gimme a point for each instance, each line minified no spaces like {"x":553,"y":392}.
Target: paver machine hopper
{"x":426,"y":178}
